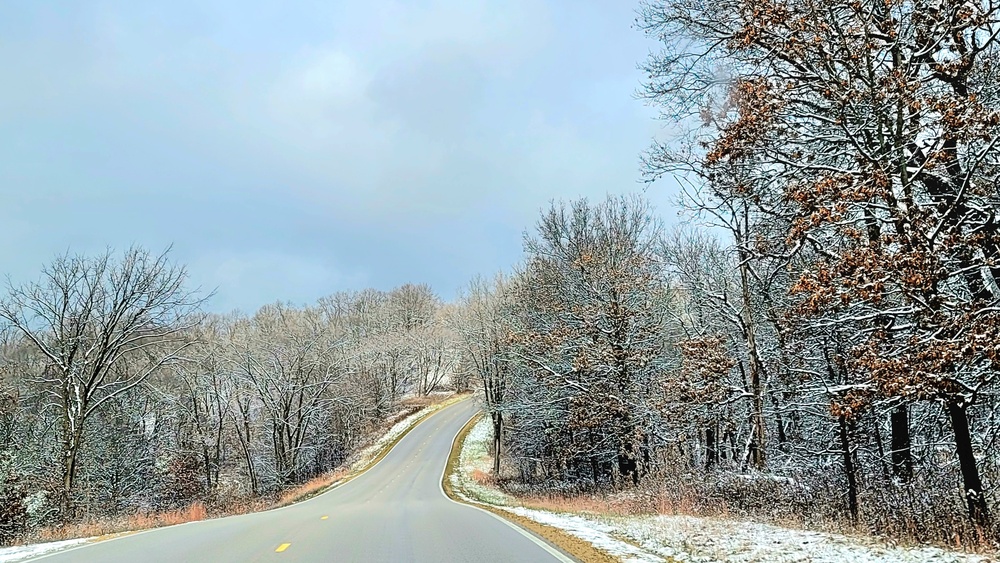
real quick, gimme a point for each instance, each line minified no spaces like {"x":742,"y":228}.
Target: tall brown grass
{"x":311,"y":487}
{"x":123,"y":523}
{"x":194,"y":512}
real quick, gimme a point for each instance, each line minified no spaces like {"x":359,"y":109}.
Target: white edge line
{"x":329,"y":489}
{"x":559,"y":555}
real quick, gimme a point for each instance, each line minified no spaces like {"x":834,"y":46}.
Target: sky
{"x":290,"y":149}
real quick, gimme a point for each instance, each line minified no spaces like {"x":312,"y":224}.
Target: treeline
{"x":833,"y":353}
{"x":619,"y":355}
{"x":117,"y":396}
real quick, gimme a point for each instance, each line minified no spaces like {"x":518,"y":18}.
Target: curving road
{"x":394,"y":512}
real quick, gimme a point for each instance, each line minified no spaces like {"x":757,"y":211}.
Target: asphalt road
{"x":394,"y":512}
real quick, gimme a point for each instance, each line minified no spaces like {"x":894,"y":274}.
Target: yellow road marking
{"x":282,"y":547}
{"x":323,"y":517}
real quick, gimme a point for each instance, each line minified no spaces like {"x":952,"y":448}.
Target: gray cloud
{"x":331,"y":145}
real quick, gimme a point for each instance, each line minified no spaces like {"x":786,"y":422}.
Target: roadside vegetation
{"x":461,"y":482}
{"x":383,"y":440}
{"x":122,"y":406}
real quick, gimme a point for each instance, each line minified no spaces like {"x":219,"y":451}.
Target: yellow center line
{"x":323,"y":517}
{"x":282,"y":547}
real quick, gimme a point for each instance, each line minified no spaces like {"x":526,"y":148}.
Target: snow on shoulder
{"x":686,"y":538}
{"x":22,"y":552}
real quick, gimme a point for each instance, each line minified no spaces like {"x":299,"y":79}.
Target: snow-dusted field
{"x":687,"y":538}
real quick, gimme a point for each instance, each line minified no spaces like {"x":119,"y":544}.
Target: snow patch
{"x":597,"y":534}
{"x":688,"y":539}
{"x":22,"y":552}
{"x":474,"y":457}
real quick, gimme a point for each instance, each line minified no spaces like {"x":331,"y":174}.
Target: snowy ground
{"x":686,"y":538}
{"x":474,"y":457}
{"x":22,"y":552}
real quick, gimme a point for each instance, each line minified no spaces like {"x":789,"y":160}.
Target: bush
{"x":13,"y":512}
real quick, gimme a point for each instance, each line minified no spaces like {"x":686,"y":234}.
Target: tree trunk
{"x":779,"y":423}
{"x":902,"y":459}
{"x":497,"y":436}
{"x":755,"y":443}
{"x":628,"y":465}
{"x":711,"y":451}
{"x":972,"y":483}
{"x":205,"y":456}
{"x":251,"y":470}
{"x":759,"y":457}
{"x":243,"y":433}
{"x":850,"y":471}
{"x":71,"y":450}
{"x":880,"y":448}
{"x":69,"y":478}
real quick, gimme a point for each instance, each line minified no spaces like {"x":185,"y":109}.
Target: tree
{"x":432,"y":349}
{"x":286,"y":358}
{"x":484,"y":326}
{"x":868,"y":130}
{"x":103,"y":325}
{"x":588,"y":345}
{"x":203,"y":393}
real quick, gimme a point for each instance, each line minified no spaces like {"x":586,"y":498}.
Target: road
{"x":394,"y":512}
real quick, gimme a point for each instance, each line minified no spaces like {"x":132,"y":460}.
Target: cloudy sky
{"x":289,"y":149}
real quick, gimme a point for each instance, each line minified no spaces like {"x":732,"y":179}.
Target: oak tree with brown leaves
{"x":866,"y":129}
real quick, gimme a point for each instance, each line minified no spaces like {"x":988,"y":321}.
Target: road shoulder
{"x":569,"y":545}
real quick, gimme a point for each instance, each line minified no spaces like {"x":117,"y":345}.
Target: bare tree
{"x":483,"y":324}
{"x":104,"y":325}
{"x":286,"y":358}
{"x":201,"y":388}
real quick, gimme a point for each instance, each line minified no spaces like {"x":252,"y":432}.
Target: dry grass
{"x":481,"y":477}
{"x":930,"y":522}
{"x":663,"y":498}
{"x":311,"y":488}
{"x":575,"y":503}
{"x":453,"y":458}
{"x":126,"y":523}
{"x":192,"y":513}
{"x":419,"y":402}
{"x":670,"y":495}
